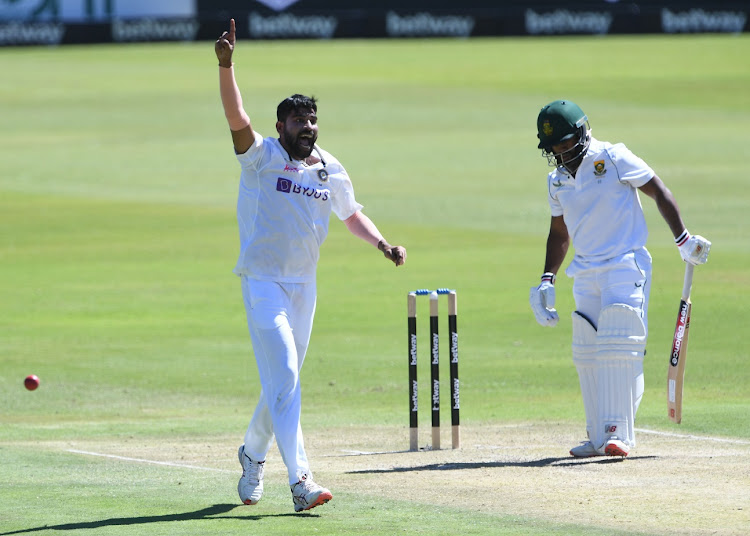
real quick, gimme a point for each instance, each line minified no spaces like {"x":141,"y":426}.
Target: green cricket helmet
{"x":557,"y":122}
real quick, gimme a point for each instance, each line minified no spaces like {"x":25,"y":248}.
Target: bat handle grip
{"x":687,"y":285}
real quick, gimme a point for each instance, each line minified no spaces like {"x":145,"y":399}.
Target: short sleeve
{"x":630,"y":168}
{"x":554,"y":205}
{"x":252,"y":157}
{"x":344,"y":204}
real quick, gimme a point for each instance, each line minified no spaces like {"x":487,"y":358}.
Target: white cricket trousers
{"x":625,"y":279}
{"x":279,"y":318}
{"x":622,"y":280}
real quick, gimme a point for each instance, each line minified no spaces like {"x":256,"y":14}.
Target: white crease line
{"x":367,"y":453}
{"x":140,"y":460}
{"x":695,"y":437}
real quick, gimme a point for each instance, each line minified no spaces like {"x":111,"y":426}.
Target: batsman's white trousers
{"x":279,"y":318}
{"x":625,"y":279}
{"x":622,"y":280}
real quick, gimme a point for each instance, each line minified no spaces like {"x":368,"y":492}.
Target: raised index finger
{"x":231,"y":30}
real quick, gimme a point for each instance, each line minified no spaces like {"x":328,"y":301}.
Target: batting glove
{"x":542,"y":300}
{"x":693,"y":249}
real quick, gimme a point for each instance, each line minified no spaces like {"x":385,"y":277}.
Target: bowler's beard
{"x":297,"y":146}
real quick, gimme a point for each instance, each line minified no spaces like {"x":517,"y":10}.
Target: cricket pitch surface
{"x":671,"y":483}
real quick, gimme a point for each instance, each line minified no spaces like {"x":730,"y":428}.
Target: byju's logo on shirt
{"x":283,"y":185}
{"x":289,"y":187}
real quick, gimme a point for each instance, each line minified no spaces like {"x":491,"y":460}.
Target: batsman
{"x":594,"y":204}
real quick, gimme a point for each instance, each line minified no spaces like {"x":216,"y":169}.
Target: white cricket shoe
{"x":307,"y":494}
{"x":250,"y":486}
{"x":585,"y":450}
{"x":615,"y":447}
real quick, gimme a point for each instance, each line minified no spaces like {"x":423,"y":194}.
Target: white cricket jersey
{"x":600,"y":206}
{"x":283,"y":210}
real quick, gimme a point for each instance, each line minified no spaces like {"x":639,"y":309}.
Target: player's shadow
{"x":457,"y":466}
{"x":203,"y":514}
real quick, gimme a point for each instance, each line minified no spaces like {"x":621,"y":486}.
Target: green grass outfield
{"x":118,"y":237}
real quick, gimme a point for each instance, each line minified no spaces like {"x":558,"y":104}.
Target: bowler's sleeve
{"x":343,"y":203}
{"x":252,"y":157}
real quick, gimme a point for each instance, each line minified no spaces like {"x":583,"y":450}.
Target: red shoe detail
{"x":322,"y":499}
{"x":614,"y":450}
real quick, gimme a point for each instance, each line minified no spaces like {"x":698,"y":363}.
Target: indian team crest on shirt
{"x":599,"y":169}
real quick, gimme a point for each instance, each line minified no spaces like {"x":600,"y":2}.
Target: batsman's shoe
{"x":585,"y":450}
{"x":250,"y":486}
{"x":307,"y":494}
{"x":615,"y":447}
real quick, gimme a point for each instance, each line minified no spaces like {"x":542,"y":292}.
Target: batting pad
{"x":584,"y":358}
{"x":621,"y":342}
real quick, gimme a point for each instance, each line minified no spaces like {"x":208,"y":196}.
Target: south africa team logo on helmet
{"x":559,"y":121}
{"x":599,"y":168}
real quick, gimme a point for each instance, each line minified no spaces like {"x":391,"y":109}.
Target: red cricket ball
{"x":31,"y":382}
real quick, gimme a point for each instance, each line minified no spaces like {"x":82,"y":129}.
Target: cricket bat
{"x":676,"y":372}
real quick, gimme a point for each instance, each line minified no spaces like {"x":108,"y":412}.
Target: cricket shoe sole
{"x":306,"y":494}
{"x":615,"y":447}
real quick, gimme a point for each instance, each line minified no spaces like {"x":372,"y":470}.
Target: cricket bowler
{"x":287,"y":190}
